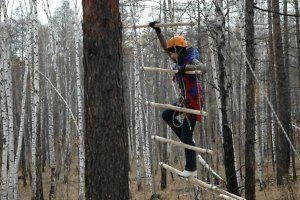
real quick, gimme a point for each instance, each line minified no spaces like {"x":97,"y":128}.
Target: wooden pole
{"x":190,"y":70}
{"x":202,"y":161}
{"x":223,"y":196}
{"x":296,"y":127}
{"x":201,"y":183}
{"x":163,"y":25}
{"x":180,"y":144}
{"x":180,"y":109}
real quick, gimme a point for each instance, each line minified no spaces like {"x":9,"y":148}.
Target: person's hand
{"x":157,"y":29}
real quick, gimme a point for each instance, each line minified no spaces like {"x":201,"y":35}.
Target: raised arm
{"x":160,"y":36}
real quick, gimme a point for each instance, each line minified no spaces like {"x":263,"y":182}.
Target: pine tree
{"x":106,"y":142}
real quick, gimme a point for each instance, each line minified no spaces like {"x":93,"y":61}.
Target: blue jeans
{"x":184,"y":133}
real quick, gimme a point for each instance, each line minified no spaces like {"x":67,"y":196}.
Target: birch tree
{"x":232,"y":185}
{"x":81,"y":153}
{"x":35,"y":97}
{"x":8,"y":148}
{"x":4,"y":116}
{"x":22,"y":121}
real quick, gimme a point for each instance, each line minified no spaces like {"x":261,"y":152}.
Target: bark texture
{"x":250,"y":104}
{"x":106,"y":143}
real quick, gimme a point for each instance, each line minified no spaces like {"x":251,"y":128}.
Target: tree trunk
{"x":39,"y":181}
{"x":272,"y":88}
{"x":259,"y":155}
{"x":81,"y":153}
{"x":283,"y":98}
{"x":106,"y":142}
{"x":163,"y":127}
{"x":250,"y":104}
{"x":21,"y":131}
{"x":138,"y":123}
{"x":296,"y":4}
{"x":4,"y":115}
{"x":9,"y":100}
{"x":35,"y":101}
{"x":51,"y":143}
{"x":287,"y":71}
{"x":232,"y":185}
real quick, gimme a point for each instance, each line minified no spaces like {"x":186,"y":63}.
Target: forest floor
{"x":177,"y":189}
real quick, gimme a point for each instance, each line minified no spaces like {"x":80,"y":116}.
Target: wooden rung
{"x":180,"y":144}
{"x":297,"y":127}
{"x":176,"y":171}
{"x":201,"y":183}
{"x":223,"y":196}
{"x":157,"y":69}
{"x":202,"y":161}
{"x":180,"y":109}
{"x":163,"y":25}
{"x":233,"y":196}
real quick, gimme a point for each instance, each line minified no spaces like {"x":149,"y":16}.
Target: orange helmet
{"x":178,"y":40}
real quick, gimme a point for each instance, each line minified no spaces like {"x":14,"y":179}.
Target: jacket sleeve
{"x":163,"y":43}
{"x":196,"y":65}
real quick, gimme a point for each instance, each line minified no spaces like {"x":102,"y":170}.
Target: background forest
{"x":252,"y":96}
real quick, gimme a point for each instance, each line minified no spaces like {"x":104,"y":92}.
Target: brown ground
{"x":180,"y":189}
{"x":177,"y":189}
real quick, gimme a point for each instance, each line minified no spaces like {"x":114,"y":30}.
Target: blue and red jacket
{"x":189,"y":85}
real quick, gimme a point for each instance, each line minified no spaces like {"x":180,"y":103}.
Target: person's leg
{"x":169,"y":116}
{"x":187,"y":138}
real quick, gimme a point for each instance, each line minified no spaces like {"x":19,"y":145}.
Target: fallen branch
{"x":180,"y":109}
{"x":180,"y":144}
{"x":163,"y":25}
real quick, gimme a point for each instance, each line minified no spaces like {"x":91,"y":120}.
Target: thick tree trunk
{"x":106,"y":142}
{"x":250,"y":104}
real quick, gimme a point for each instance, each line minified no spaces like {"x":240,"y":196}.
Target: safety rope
{"x":180,"y":97}
{"x":267,"y":99}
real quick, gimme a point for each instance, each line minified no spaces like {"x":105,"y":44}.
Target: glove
{"x":157,"y":29}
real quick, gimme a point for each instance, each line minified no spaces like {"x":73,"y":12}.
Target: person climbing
{"x":190,"y":94}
